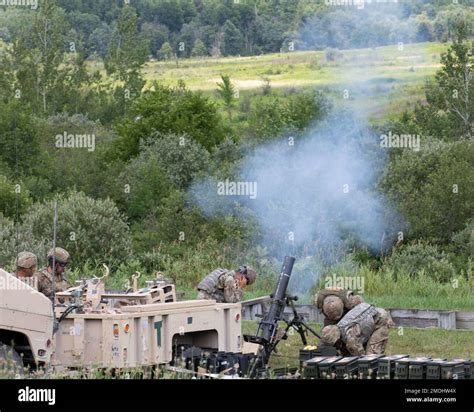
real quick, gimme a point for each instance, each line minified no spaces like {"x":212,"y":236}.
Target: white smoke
{"x":314,"y":194}
{"x":317,"y":194}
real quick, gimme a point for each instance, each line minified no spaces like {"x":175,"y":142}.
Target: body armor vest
{"x":210,"y":283}
{"x":363,"y":315}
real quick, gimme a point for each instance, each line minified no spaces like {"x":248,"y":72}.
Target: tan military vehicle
{"x":92,"y":328}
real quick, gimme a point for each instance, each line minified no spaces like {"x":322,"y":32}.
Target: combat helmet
{"x":333,"y":307}
{"x":61,"y":255}
{"x":26,"y":260}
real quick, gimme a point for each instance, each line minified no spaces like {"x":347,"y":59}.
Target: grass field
{"x":439,"y":343}
{"x":379,"y":80}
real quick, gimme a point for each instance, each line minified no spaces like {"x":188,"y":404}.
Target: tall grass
{"x":389,"y":289}
{"x":383,"y":287}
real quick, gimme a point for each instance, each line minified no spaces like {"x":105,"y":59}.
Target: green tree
{"x":432,"y":188}
{"x":170,"y":110}
{"x":226,"y":91}
{"x":13,"y":195}
{"x":38,"y":56}
{"x":452,"y":93}
{"x":170,"y":14}
{"x":127,"y":55}
{"x":199,"y":49}
{"x":63,"y":165}
{"x":463,"y":241}
{"x":19,"y":140}
{"x":142,"y":185}
{"x":45,"y":64}
{"x":233,"y":39}
{"x":166,"y":51}
{"x":157,"y":35}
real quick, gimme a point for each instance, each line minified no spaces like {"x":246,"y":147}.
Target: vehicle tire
{"x":10,"y":362}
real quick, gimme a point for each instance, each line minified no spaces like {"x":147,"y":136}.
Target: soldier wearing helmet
{"x":364,"y":330}
{"x":44,"y":277}
{"x":226,"y":286}
{"x":334,"y":303}
{"x":26,"y":263}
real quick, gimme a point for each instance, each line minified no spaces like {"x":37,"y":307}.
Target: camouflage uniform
{"x":378,"y":341}
{"x":44,"y":278}
{"x":45,"y":283}
{"x":364,"y":330}
{"x":221,"y":286}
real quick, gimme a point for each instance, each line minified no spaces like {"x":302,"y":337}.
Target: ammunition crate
{"x":346,"y":368}
{"x":433,"y":368}
{"x":325,"y":351}
{"x":327,"y":367}
{"x":453,"y":370}
{"x":417,"y":368}
{"x":401,"y":368}
{"x":411,"y":368}
{"x":368,"y":366}
{"x":468,"y":370}
{"x":306,"y":355}
{"x":386,"y":366}
{"x":310,"y":367}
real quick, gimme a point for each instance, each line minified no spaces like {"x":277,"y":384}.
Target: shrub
{"x":8,"y":197}
{"x":170,"y":110}
{"x":62,"y":168}
{"x":91,"y":230}
{"x":181,"y":157}
{"x":272,"y":116}
{"x":8,"y":243}
{"x":422,"y":257}
{"x":142,"y":186}
{"x":332,"y":55}
{"x":432,"y":188}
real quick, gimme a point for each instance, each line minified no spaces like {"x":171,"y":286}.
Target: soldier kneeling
{"x":364,"y":330}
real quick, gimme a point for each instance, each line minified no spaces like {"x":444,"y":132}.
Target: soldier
{"x":364,"y":330}
{"x":26,"y":263}
{"x":226,"y":286}
{"x":334,"y":303}
{"x":45,"y":276}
